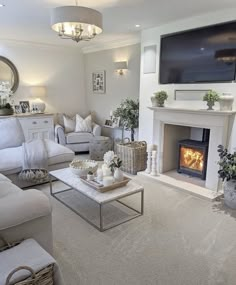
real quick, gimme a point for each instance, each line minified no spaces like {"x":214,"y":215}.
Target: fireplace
{"x":192,"y":158}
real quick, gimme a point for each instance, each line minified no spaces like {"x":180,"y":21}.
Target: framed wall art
{"x":25,"y":106}
{"x":99,"y":82}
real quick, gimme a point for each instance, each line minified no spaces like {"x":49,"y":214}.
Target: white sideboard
{"x":39,"y":126}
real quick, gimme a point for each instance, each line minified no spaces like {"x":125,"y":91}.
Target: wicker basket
{"x":133,"y":156}
{"x":43,"y":277}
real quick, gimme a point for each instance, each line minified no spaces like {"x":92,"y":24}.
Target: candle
{"x":99,"y":174}
{"x":106,"y":170}
{"x":107,"y":181}
{"x":154,"y":153}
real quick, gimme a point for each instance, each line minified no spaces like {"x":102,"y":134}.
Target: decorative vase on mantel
{"x":226,"y":102}
{"x":211,"y":97}
{"x":210,"y":105}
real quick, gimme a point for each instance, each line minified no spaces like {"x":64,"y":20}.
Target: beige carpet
{"x":180,"y":240}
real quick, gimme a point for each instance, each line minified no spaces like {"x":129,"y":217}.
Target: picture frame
{"x":25,"y":106}
{"x":116,"y":122}
{"x":99,"y":82}
{"x":108,"y":123}
{"x":17,"y":109}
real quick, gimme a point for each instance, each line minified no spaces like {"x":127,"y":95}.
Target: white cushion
{"x":58,"y":153}
{"x":83,"y":125}
{"x":78,"y":138}
{"x":69,"y":124}
{"x":7,"y":188}
{"x":11,"y":133}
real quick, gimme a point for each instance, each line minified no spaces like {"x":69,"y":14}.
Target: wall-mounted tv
{"x":201,"y":55}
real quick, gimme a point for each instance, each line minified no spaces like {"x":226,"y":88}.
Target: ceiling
{"x":29,"y":20}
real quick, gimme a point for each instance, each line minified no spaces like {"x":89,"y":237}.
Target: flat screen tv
{"x":199,"y":55}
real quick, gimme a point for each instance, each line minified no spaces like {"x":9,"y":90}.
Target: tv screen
{"x":200,"y":55}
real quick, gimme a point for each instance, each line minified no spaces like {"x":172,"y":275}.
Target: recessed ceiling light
{"x":137,"y":26}
{"x":2,"y":5}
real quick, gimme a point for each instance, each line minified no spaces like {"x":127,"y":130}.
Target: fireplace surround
{"x":220,"y":124}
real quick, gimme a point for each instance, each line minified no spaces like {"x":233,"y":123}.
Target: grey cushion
{"x":78,"y":138}
{"x":11,"y":133}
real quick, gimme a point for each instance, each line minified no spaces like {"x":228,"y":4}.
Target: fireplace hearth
{"x":192,"y":158}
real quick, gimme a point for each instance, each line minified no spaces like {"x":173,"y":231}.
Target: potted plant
{"x":211,"y":97}
{"x":227,"y":173}
{"x":158,"y":98}
{"x":128,"y":112}
{"x":115,"y":165}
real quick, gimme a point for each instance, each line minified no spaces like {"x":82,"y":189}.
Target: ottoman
{"x":98,"y":146}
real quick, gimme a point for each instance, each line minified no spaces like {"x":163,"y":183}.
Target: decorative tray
{"x":99,"y":186}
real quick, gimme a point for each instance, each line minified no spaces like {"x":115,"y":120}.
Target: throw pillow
{"x":69,"y":124}
{"x":11,"y":133}
{"x":83,"y":125}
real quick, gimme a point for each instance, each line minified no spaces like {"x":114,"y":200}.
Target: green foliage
{"x":227,"y":164}
{"x":90,"y":173}
{"x":211,"y":96}
{"x":161,"y":96}
{"x":128,"y":111}
{"x":6,"y":106}
{"x":115,"y":163}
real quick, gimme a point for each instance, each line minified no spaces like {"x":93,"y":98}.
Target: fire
{"x":191,"y":158}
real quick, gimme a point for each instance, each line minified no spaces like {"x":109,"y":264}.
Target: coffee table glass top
{"x":66,"y":176}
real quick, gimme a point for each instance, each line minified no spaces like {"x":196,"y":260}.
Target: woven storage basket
{"x":133,"y":156}
{"x":43,"y":277}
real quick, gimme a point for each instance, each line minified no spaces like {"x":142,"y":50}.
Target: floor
{"x":180,"y":240}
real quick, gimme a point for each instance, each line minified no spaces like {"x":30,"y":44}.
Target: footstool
{"x":27,"y":263}
{"x":98,"y":146}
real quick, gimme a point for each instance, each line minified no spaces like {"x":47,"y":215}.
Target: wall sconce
{"x":120,"y":66}
{"x":38,"y":92}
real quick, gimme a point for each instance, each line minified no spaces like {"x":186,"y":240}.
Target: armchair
{"x":76,"y":141}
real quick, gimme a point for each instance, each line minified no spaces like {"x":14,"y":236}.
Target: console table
{"x":36,"y":126}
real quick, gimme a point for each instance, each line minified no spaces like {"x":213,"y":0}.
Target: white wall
{"x":60,"y":69}
{"x":149,"y":82}
{"x":118,"y":87}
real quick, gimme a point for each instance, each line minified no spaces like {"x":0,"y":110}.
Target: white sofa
{"x":24,"y":214}
{"x":11,"y":140}
{"x":76,"y":141}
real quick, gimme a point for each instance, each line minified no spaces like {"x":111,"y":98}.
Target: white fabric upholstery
{"x":72,"y":138}
{"x":83,"y":125}
{"x":11,"y":158}
{"x":27,"y":253}
{"x":7,"y":188}
{"x":11,"y":133}
{"x":69,"y":124}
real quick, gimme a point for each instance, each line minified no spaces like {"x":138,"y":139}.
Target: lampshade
{"x":38,"y":91}
{"x":76,"y":22}
{"x":121,"y":65}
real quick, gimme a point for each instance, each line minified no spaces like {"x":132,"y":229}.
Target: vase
{"x":230,"y":193}
{"x":210,"y":105}
{"x":160,"y":103}
{"x":106,"y":170}
{"x":118,"y":175}
{"x":226,"y":102}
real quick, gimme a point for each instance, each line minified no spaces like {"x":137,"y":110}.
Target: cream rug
{"x":180,"y":240}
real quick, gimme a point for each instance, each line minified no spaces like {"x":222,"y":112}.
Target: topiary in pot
{"x":227,"y":173}
{"x":158,"y":99}
{"x":211,"y":97}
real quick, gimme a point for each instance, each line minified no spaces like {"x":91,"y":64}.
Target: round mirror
{"x":8,"y":73}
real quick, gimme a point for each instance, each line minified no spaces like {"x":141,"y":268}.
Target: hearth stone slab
{"x":190,"y":188}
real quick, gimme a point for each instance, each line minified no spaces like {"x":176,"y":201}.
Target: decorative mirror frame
{"x":14,"y":70}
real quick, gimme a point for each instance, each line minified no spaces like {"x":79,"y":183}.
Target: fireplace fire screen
{"x":192,"y":158}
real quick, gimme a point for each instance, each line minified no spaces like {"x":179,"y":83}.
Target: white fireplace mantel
{"x":220,"y":124}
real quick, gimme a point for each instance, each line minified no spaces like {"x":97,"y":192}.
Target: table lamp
{"x":38,"y":92}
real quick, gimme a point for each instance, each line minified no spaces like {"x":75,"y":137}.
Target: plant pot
{"x":210,"y":105}
{"x":6,"y":112}
{"x":230,"y":193}
{"x":226,"y":102}
{"x":118,"y":175}
{"x":156,"y":102}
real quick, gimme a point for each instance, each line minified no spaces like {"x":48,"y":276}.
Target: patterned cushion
{"x":69,"y":124}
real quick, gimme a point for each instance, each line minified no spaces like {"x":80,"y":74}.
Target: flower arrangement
{"x":5,"y":96}
{"x":227,"y":164}
{"x":160,"y":98}
{"x":128,"y":112}
{"x":112,"y":161}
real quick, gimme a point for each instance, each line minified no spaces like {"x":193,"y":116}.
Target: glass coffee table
{"x":101,"y":199}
